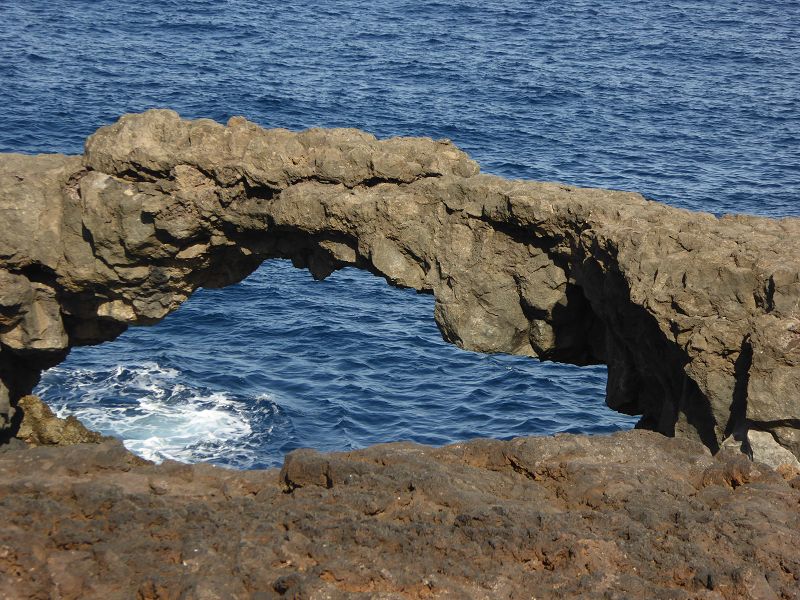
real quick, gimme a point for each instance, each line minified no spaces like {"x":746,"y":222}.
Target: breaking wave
{"x":159,"y":415}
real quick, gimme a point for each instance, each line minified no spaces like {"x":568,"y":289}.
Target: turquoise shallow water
{"x":691,"y":103}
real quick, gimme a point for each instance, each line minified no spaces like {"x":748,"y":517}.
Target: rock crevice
{"x":697,"y":318}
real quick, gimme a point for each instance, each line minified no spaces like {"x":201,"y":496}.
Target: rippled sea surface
{"x":692,"y":103}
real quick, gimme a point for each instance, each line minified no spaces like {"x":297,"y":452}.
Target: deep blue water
{"x":243,"y":374}
{"x":691,"y":103}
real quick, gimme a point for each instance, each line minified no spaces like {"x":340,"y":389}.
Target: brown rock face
{"x":633,"y":515}
{"x":697,"y":318}
{"x":40,"y":427}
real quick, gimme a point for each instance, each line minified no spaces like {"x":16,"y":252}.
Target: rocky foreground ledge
{"x":632,"y":515}
{"x":697,"y":318}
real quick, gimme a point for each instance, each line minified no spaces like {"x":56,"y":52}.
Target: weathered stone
{"x":16,"y":295}
{"x":40,"y":327}
{"x":7,"y":411}
{"x":767,"y":450}
{"x":40,"y":427}
{"x":633,"y":515}
{"x":697,"y":318}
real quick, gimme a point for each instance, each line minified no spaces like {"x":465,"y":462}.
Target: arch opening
{"x":242,"y":375}
{"x":158,"y":207}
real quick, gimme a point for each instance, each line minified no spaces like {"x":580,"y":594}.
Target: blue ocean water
{"x":691,"y":103}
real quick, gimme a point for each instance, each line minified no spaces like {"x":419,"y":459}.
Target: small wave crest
{"x":160,"y":417}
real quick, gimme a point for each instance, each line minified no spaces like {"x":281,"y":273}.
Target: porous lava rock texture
{"x":39,"y":426}
{"x":632,"y":515}
{"x":697,"y":317}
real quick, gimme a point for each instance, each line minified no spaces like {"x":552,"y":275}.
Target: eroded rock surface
{"x":697,"y":318}
{"x":633,"y":515}
{"x":39,"y":426}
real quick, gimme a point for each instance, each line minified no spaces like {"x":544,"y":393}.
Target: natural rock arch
{"x":697,"y":318}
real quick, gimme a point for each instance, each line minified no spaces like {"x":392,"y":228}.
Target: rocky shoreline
{"x":697,"y":319}
{"x":631,"y":515}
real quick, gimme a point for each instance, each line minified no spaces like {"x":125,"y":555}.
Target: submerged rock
{"x":632,"y":515}
{"x":697,"y":318}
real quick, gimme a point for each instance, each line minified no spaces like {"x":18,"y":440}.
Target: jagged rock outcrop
{"x":633,"y":515}
{"x":39,"y":426}
{"x":697,"y":318}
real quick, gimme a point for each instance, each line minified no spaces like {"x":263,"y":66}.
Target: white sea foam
{"x":156,"y":415}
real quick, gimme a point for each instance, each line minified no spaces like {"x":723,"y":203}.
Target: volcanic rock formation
{"x":633,"y":515}
{"x":697,"y":318}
